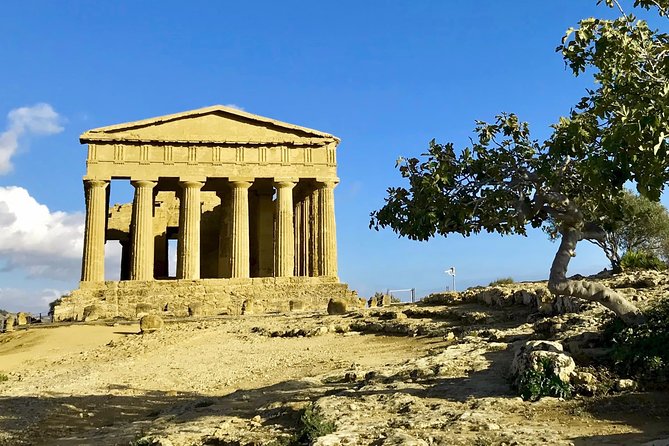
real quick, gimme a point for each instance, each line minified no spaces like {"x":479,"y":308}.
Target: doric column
{"x":284,"y":263}
{"x":141,"y":267}
{"x":327,"y":229}
{"x":188,"y":248}
{"x":240,"y":261}
{"x":93,"y":262}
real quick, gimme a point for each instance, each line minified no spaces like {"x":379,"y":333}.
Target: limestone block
{"x":9,"y":323}
{"x":385,"y":301}
{"x":337,"y":306}
{"x":150,"y":323}
{"x":296,"y":305}
{"x":196,"y":309}
{"x":22,"y":318}
{"x":248,"y":306}
{"x":93,"y":313}
{"x":373,"y":302}
{"x":142,"y":309}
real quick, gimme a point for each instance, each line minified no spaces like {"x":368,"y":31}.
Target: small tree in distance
{"x":640,"y":225}
{"x":506,"y":180}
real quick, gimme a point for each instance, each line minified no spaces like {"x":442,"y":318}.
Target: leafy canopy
{"x":506,"y":180}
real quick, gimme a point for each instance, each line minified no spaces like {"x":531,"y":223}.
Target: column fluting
{"x":141,"y":267}
{"x":240,"y":256}
{"x":188,"y":252}
{"x":93,"y":260}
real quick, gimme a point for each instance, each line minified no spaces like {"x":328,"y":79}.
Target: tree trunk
{"x":559,"y":284}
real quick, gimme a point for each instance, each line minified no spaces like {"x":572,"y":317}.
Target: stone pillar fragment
{"x":284,"y":264}
{"x":188,"y":248}
{"x":240,"y":256}
{"x":141,"y":228}
{"x":93,"y":261}
{"x":327,"y":229}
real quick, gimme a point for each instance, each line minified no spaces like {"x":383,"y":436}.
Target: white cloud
{"x":39,"y":119}
{"x":42,"y":243}
{"x":235,"y":106}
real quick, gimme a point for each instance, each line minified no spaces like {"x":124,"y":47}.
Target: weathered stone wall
{"x":204,"y":297}
{"x":532,"y":294}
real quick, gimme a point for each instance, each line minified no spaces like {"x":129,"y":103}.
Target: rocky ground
{"x":400,"y":375}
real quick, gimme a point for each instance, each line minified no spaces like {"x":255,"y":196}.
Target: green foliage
{"x":641,"y":260}
{"x":641,"y":352}
{"x":535,"y":384}
{"x":632,"y":222}
{"x":313,"y":425}
{"x":3,"y":377}
{"x":502,"y":281}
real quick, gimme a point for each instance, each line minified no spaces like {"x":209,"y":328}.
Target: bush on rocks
{"x":541,"y":368}
{"x":641,"y":352}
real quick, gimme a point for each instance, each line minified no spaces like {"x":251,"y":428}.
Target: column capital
{"x":284,"y":183}
{"x":191,"y":184}
{"x":241,"y":183}
{"x":328,"y":183}
{"x":96,"y":182}
{"x":143,"y":183}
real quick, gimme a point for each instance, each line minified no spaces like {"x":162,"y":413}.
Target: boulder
{"x":93,"y":313}
{"x":337,"y":306}
{"x":373,"y":302}
{"x":150,"y":323}
{"x":385,"y":301}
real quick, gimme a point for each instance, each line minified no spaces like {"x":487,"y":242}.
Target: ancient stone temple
{"x":250,"y":201}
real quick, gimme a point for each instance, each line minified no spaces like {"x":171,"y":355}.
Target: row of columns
{"x":188,"y":254}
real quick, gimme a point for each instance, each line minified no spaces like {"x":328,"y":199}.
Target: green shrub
{"x":644,"y":260}
{"x":3,"y":377}
{"x":641,"y":352}
{"x":313,"y":425}
{"x":502,"y":281}
{"x":534,"y":384}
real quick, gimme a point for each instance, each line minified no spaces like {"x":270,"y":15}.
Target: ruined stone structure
{"x":249,"y":199}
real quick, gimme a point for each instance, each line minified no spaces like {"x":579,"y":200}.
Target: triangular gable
{"x":216,"y":124}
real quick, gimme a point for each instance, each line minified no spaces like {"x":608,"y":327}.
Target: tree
{"x":642,"y":225}
{"x":506,"y":180}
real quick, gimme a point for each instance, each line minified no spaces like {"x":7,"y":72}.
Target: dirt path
{"x":243,"y":381}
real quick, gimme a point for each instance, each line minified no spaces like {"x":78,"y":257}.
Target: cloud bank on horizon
{"x":36,"y":242}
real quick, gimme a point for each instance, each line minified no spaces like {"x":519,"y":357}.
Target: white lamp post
{"x":451,"y":272}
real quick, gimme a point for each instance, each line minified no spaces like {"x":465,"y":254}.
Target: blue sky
{"x":384,"y":76}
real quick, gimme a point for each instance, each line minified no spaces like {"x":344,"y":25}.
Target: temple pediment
{"x":210,"y":125}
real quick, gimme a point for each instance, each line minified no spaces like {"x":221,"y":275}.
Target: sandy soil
{"x":228,"y":381}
